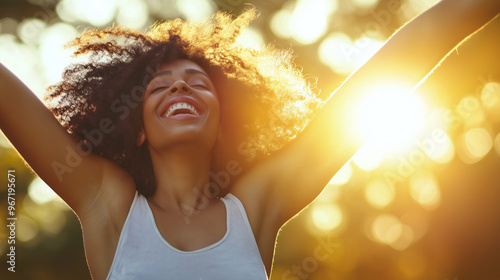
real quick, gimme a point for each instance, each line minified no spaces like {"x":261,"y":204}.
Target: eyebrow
{"x":187,"y":71}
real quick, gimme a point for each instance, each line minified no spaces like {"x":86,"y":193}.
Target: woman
{"x":159,"y":128}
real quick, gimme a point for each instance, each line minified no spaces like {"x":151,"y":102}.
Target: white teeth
{"x":181,"y":105}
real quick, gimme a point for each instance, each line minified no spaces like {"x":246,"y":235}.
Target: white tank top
{"x":142,"y":252}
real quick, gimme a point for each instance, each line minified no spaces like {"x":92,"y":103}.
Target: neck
{"x":182,"y":173}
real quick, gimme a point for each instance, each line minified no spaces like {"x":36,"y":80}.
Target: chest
{"x":214,"y":244}
{"x":197,"y":230}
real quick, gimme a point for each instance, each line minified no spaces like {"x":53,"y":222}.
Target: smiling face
{"x":180,"y":106}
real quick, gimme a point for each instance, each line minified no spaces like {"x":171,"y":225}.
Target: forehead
{"x":180,"y":65}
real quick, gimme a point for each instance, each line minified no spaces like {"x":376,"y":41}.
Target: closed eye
{"x":198,"y":82}
{"x":199,"y":86}
{"x":158,"y":89}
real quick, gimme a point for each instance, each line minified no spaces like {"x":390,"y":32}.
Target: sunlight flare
{"x":390,"y":118}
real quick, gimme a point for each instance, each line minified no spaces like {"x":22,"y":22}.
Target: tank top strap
{"x":238,"y":209}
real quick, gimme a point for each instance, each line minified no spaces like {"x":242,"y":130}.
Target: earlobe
{"x":141,"y":138}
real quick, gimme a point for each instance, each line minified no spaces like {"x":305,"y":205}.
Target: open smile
{"x":181,"y":108}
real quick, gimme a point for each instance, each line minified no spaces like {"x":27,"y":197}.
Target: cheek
{"x":145,"y":115}
{"x":214,"y":106}
{"x":148,"y":113}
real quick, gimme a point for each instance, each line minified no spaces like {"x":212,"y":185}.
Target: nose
{"x":179,"y":87}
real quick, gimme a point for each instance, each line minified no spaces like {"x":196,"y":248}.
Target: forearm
{"x":44,"y":143}
{"x":15,"y":97}
{"x":415,"y":49}
{"x":29,"y":125}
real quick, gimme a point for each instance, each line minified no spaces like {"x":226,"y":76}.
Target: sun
{"x":390,"y":118}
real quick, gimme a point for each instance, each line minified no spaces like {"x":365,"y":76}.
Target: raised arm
{"x":299,"y":172}
{"x":47,"y":147}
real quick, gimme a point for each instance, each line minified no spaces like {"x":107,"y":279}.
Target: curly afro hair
{"x":104,"y":89}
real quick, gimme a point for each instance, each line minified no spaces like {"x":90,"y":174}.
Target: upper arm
{"x":47,"y":147}
{"x":301,"y":170}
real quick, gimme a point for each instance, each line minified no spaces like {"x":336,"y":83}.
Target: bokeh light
{"x":386,"y":229}
{"x":95,"y":12}
{"x":40,"y":192}
{"x":310,"y":18}
{"x":19,"y":59}
{"x":132,"y":13}
{"x":326,"y":216}
{"x":474,"y":144}
{"x":478,"y":142}
{"x":251,"y":38}
{"x":440,"y":149}
{"x":333,"y":52}
{"x":279,"y":21}
{"x":8,"y":25}
{"x":365,"y":4}
{"x":204,"y":9}
{"x":54,"y":56}
{"x":389,"y":230}
{"x":27,"y":228}
{"x":30,"y":29}
{"x":497,"y":143}
{"x":424,"y":189}
{"x":343,"y":55}
{"x":49,"y":216}
{"x":405,"y":239}
{"x":379,"y":193}
{"x":303,"y":21}
{"x":490,"y":95}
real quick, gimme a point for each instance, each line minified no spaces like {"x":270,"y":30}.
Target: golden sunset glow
{"x":418,"y":199}
{"x":390,"y":118}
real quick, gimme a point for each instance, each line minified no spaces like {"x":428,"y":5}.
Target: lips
{"x":181,"y":108}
